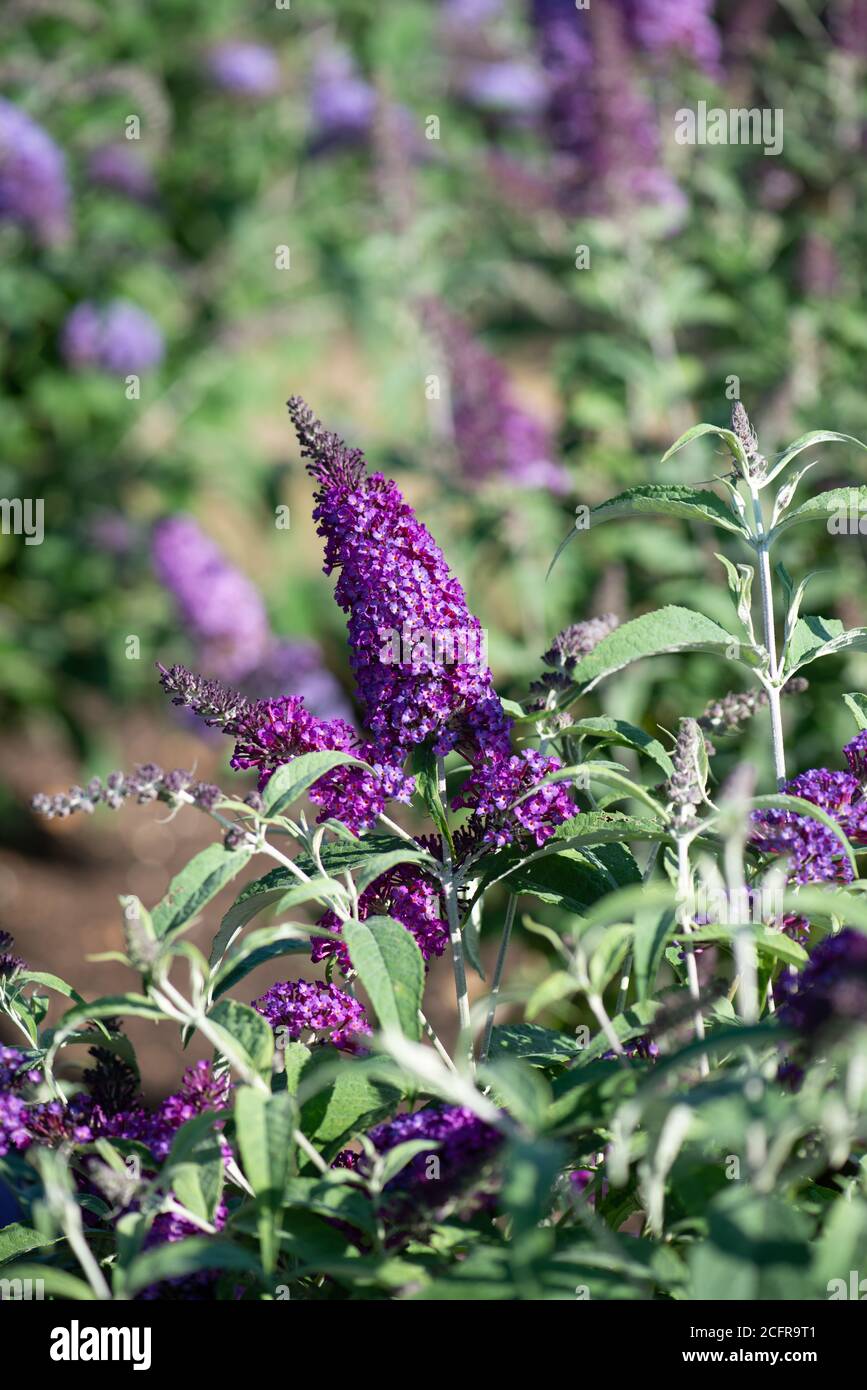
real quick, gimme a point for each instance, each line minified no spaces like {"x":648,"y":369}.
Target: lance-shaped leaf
{"x":845,"y":503}
{"x":807,"y":441}
{"x":624,"y":735}
{"x":278,"y":889}
{"x":857,"y":706}
{"x":391,"y":969}
{"x":264,"y":1126}
{"x":734,"y":445}
{"x":670,"y":629}
{"x":243,"y":1035}
{"x":194,"y":1168}
{"x":261,"y":946}
{"x":295,"y":778}
{"x":813,"y":638}
{"x":669,"y":499}
{"x":200,"y":881}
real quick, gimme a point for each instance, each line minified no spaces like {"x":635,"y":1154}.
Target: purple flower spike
{"x":34,"y":190}
{"x":494,"y":437}
{"x":295,"y":1008}
{"x":118,"y":338}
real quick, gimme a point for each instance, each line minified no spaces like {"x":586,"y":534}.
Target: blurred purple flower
{"x":831,"y":992}
{"x":494,"y":436}
{"x":447,"y":1176}
{"x":122,"y":168}
{"x":342,"y":104}
{"x":683,"y":27}
{"x":222,"y":610}
{"x":117,"y":337}
{"x":597,"y":117}
{"x":244,"y":69}
{"x":508,"y":85}
{"x":34,"y":189}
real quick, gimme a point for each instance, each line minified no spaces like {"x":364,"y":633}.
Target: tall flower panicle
{"x":416,"y":650}
{"x":394,"y":582}
{"x":600,"y":123}
{"x":34,"y":189}
{"x":296,"y":1008}
{"x":146,"y":783}
{"x":117,"y":338}
{"x":495,"y":438}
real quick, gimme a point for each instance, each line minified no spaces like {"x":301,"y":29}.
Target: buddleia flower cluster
{"x":447,"y":1177}
{"x":811,"y":849}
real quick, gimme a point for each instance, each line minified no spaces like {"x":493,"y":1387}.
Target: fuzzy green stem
{"x":455,"y":940}
{"x":497,"y":978}
{"x":772,"y":683}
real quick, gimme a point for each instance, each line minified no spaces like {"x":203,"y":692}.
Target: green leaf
{"x":670,"y":629}
{"x":349,"y":1103}
{"x":177,"y":1259}
{"x":652,"y":931}
{"x":294,"y":779}
{"x":194,"y":1168}
{"x":391,"y":969}
{"x":624,"y":735}
{"x":279,"y":889}
{"x":245,"y":1032}
{"x":196,"y":884}
{"x":122,"y":1005}
{"x":773,"y":943}
{"x":18,"y":1240}
{"x":757,"y":1249}
{"x":533,"y":1043}
{"x":42,"y":977}
{"x":734,"y":445}
{"x":813,"y":638}
{"x":807,"y":441}
{"x":264,"y":1126}
{"x":573,"y":879}
{"x":423,"y":764}
{"x":857,"y":705}
{"x":608,"y":957}
{"x":605,"y":827}
{"x":669,"y":499}
{"x":267,"y":943}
